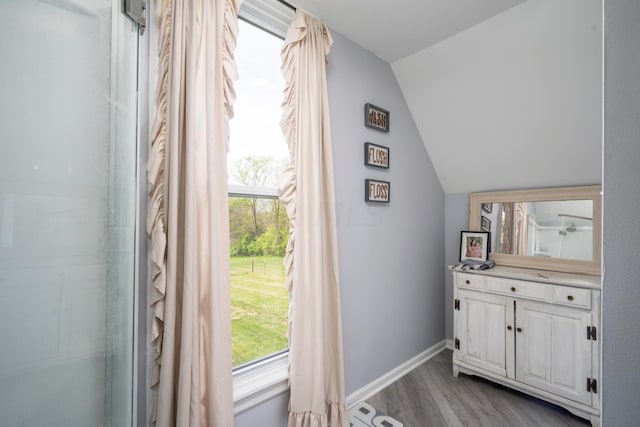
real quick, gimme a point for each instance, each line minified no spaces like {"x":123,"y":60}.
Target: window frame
{"x":265,"y":378}
{"x":260,"y":381}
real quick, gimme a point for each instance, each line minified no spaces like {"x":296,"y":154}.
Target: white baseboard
{"x":396,"y":373}
{"x":450,"y":344}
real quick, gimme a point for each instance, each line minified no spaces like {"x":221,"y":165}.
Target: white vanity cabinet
{"x":535,"y":331}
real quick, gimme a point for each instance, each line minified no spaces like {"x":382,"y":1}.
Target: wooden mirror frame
{"x":593,"y":193}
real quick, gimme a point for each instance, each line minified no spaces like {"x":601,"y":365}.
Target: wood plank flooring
{"x":430,"y":396}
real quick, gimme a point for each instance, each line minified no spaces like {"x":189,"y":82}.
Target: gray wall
{"x":272,"y":413}
{"x":454,"y":82}
{"x":391,"y":260}
{"x":392,"y":267}
{"x":621,"y":287}
{"x":478,"y":89}
{"x":457,"y":219}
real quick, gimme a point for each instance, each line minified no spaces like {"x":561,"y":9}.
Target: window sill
{"x":259,"y":382}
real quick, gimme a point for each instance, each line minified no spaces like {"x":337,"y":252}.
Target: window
{"x":259,"y":301}
{"x":259,"y":226}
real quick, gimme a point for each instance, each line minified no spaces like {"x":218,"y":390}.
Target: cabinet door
{"x":482,"y":332}
{"x":552,"y":350}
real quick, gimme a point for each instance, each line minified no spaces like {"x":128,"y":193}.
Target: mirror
{"x":555,"y":229}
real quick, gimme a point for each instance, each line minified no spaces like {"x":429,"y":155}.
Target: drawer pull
{"x":570,"y":297}
{"x":513,"y":289}
{"x":509,"y":327}
{"x":467,"y":282}
{"x":519,"y":329}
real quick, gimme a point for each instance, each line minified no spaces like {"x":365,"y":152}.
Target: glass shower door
{"x":68,"y":115}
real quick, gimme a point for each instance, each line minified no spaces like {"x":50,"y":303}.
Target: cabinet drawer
{"x":529,"y":290}
{"x":574,"y":297}
{"x":466,"y":280}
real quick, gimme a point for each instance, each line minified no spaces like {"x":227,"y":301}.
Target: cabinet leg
{"x":456,"y":371}
{"x":595,"y":420}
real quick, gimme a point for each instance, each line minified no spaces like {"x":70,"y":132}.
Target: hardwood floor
{"x":430,"y":396}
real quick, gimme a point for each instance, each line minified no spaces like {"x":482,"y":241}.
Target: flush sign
{"x":376,"y":155}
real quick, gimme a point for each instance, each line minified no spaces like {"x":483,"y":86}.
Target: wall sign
{"x":376,"y":118}
{"x":377,"y":191}
{"x":376,"y":155}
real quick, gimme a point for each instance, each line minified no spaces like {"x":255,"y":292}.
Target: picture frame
{"x":376,"y":118}
{"x":485,"y":223}
{"x":376,"y":155}
{"x":487,"y":207}
{"x":377,"y":191}
{"x":474,"y":245}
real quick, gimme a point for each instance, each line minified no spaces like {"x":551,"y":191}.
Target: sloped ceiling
{"x":505,"y":94}
{"x":395,"y":29}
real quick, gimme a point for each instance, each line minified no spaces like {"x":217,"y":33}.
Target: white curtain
{"x":316,"y":373}
{"x":188,"y":214}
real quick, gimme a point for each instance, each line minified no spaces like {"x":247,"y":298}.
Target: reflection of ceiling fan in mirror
{"x":573,"y":226}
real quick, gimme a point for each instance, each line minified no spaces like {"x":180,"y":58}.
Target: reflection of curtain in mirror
{"x":520,"y":226}
{"x":505,"y":228}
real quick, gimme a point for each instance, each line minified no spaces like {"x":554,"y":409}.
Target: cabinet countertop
{"x":543,"y":276}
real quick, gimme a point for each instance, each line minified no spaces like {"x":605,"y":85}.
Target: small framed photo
{"x":487,"y":207}
{"x":474,"y":245}
{"x":376,"y":155}
{"x":376,"y":118}
{"x":485,"y":224}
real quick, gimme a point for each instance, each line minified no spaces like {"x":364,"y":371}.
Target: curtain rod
{"x":289,"y":5}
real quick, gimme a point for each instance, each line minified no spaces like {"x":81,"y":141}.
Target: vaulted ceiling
{"x":505,"y":93}
{"x":396,"y":29}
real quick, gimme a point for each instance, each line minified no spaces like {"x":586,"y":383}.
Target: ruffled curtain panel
{"x":187,"y":220}
{"x":316,"y":375}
